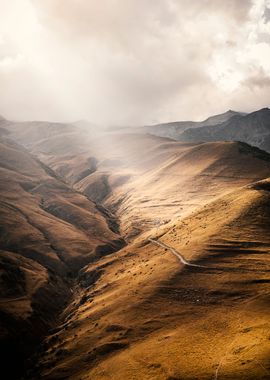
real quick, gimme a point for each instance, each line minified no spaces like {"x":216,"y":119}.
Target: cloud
{"x":132,"y":61}
{"x":267,"y":13}
{"x":258,"y":80}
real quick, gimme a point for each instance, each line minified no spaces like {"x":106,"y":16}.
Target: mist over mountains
{"x":84,"y":291}
{"x":135,"y":190}
{"x":252,"y":128}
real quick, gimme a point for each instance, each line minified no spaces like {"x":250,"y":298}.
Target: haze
{"x":132,"y":62}
{"x":135,"y":189}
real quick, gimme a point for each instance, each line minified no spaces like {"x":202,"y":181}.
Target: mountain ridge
{"x":253,"y":128}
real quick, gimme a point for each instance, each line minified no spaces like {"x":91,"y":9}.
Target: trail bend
{"x":175,"y":253}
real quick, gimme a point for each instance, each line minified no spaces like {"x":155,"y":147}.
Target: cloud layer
{"x":133,"y":61}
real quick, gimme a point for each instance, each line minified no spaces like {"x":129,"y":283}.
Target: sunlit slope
{"x":140,"y":314}
{"x":181,"y":178}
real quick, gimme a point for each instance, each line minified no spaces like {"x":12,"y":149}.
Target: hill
{"x":148,"y":316}
{"x":164,"y":181}
{"x":48,"y":232}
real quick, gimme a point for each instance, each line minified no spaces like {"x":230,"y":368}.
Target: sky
{"x":133,"y":62}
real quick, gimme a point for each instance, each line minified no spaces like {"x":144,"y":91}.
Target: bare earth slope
{"x":149,"y":317}
{"x":47,"y":233}
{"x":181,"y":178}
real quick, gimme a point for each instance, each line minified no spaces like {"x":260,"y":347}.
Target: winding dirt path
{"x":175,"y":253}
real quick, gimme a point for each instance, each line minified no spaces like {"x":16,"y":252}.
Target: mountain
{"x":253,"y":129}
{"x":221,"y":118}
{"x":174,"y":130}
{"x":48,"y":232}
{"x":149,"y":317}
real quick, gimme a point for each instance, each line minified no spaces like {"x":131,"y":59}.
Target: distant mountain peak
{"x":264,"y":109}
{"x":252,"y":128}
{"x":220,"y":118}
{"x":265,"y":112}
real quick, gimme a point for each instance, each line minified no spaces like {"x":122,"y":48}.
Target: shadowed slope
{"x":47,"y":233}
{"x":253,"y":129}
{"x":175,"y":129}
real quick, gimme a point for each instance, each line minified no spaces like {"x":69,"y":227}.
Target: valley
{"x":130,"y":255}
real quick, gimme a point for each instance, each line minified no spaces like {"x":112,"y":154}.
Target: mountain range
{"x":253,"y":128}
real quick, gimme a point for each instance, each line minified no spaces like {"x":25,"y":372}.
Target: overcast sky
{"x":133,"y":61}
